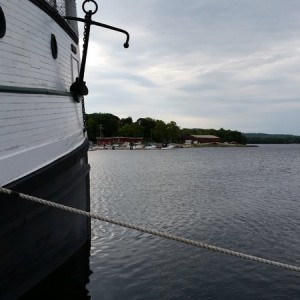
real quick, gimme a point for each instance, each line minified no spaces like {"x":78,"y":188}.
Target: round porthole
{"x":53,"y":46}
{"x":2,"y":23}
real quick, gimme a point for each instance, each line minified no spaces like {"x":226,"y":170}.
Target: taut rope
{"x":150,"y":231}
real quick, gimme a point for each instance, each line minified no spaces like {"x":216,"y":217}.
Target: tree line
{"x":264,"y":138}
{"x":151,"y":130}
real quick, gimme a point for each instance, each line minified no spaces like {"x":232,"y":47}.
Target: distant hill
{"x":264,"y":138}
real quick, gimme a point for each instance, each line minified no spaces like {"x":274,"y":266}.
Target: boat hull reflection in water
{"x":68,"y":281}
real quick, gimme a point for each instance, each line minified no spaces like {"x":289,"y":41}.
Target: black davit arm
{"x":79,"y":88}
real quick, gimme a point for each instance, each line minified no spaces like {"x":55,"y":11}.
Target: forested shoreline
{"x":264,"y":138}
{"x":153,"y":130}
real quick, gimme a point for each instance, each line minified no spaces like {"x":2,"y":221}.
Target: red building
{"x":198,"y":139}
{"x":101,"y":141}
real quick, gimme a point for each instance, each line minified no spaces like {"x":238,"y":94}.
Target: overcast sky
{"x":233,"y":64}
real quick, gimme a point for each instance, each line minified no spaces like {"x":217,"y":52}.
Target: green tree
{"x":131,"y":130}
{"x":147,"y":125}
{"x":107,"y":123}
{"x":160,"y":131}
{"x":173,"y":132}
{"x":125,"y":121}
{"x":92,"y":128}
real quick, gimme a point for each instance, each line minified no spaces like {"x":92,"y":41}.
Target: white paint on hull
{"x":35,"y":129}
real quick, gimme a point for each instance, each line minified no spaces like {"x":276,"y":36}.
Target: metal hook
{"x":92,"y":12}
{"x":79,"y":88}
{"x":126,"y":44}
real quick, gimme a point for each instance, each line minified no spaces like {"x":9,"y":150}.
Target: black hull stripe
{"x":33,"y":91}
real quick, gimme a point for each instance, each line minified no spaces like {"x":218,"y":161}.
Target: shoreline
{"x":181,"y":146}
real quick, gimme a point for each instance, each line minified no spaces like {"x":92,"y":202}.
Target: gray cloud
{"x":203,"y":63}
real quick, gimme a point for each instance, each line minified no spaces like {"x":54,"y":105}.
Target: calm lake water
{"x":244,"y":199}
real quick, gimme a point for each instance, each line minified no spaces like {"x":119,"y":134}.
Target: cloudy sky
{"x":202,"y":63}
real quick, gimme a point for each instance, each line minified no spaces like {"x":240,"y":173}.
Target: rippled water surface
{"x":244,"y":199}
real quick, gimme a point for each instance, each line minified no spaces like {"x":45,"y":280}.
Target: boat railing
{"x":65,"y":8}
{"x":58,"y":5}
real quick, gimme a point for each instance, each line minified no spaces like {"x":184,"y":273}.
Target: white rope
{"x":153,"y":232}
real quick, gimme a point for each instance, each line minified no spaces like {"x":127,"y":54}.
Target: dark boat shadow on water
{"x":68,"y":281}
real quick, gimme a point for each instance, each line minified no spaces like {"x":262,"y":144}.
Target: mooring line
{"x":150,"y":231}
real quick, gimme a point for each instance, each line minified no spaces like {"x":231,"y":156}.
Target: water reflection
{"x":68,"y":281}
{"x":242,"y":199}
